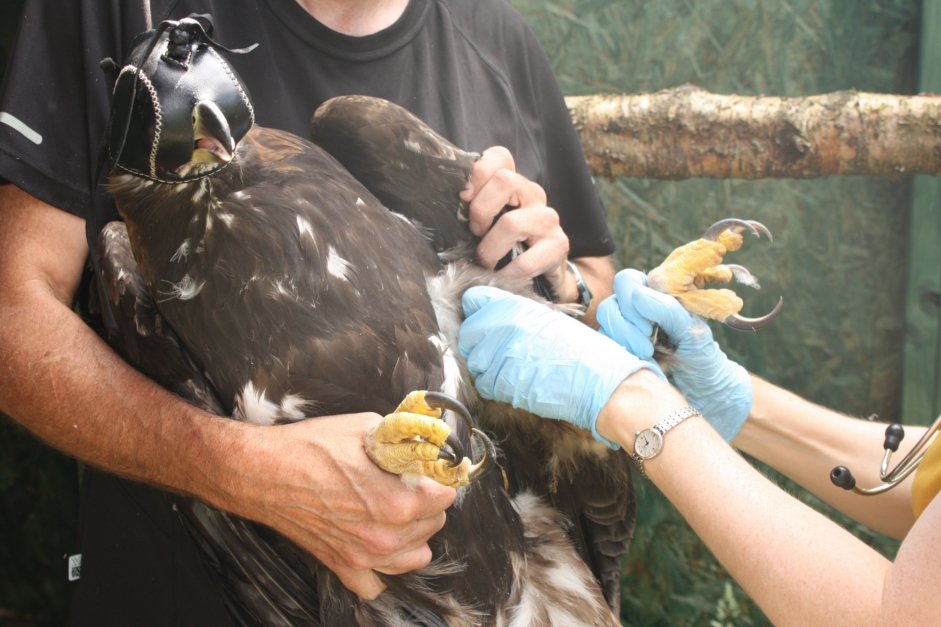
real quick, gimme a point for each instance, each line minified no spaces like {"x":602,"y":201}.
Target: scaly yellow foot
{"x":689,"y":268}
{"x":414,"y":440}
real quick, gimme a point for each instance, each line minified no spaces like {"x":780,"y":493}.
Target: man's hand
{"x":495,"y":184}
{"x":313,"y":482}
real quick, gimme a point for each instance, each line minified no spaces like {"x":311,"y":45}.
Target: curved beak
{"x":212,"y":137}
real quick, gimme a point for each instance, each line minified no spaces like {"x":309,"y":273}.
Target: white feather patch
{"x":187,"y":289}
{"x":252,"y":405}
{"x":337,"y":265}
{"x":304,"y":227}
{"x":452,"y":369}
{"x":293,"y":406}
{"x":182,"y":252}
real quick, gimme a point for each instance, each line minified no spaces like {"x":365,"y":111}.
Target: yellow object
{"x":407,"y":441}
{"x":927,"y":478}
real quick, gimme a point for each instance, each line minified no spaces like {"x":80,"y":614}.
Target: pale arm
{"x":804,"y":441}
{"x":800,"y":567}
{"x":311,"y":480}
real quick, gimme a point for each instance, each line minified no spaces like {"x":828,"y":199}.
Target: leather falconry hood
{"x":169,"y":70}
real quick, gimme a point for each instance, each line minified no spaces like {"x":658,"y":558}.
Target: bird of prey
{"x":257,"y":277}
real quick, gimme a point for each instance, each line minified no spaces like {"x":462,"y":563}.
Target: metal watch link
{"x":584,"y":292}
{"x":649,"y":442}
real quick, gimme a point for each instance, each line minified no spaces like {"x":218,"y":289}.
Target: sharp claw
{"x":450,"y":455}
{"x":753,"y":226}
{"x":741,"y":323}
{"x":456,"y":452}
{"x":439,"y":400}
{"x":487,"y":461}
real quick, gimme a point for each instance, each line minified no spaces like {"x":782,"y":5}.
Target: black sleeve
{"x":55,"y":98}
{"x":569,"y":186}
{"x":568,"y":183}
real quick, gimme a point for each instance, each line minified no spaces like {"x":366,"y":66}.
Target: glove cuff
{"x":605,"y":391}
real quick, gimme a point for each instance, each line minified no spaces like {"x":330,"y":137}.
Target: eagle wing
{"x":419,"y":174}
{"x":325,"y":292}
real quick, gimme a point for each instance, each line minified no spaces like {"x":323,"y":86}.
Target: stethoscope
{"x":843,"y":478}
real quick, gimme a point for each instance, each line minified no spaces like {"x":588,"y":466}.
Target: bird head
{"x":178,"y":108}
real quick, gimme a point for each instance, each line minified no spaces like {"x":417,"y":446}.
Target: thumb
{"x":644,"y":307}
{"x":363,"y":582}
{"x":477,"y":297}
{"x":633,"y":337}
{"x":663,"y":310}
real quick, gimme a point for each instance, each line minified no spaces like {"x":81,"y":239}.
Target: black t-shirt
{"x":471,"y":69}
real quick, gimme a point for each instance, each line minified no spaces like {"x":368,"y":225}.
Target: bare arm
{"x":310,"y":480}
{"x":800,"y":567}
{"x":805,"y":441}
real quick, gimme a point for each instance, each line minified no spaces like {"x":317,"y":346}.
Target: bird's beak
{"x":212,"y":137}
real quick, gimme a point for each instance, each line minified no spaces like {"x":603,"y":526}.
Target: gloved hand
{"x":526,"y":354}
{"x":718,"y":387}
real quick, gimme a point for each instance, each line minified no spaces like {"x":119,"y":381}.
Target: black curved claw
{"x":741,"y":323}
{"x":455,"y":451}
{"x":753,"y":226}
{"x":440,"y":400}
{"x":487,"y":461}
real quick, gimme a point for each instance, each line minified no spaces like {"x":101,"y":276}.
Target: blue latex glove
{"x":538,"y":359}
{"x":715,"y":385}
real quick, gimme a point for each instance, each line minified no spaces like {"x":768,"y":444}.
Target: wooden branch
{"x":688,"y":132}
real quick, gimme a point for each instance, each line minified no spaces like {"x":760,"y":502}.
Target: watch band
{"x":661,"y":428}
{"x":584,"y":292}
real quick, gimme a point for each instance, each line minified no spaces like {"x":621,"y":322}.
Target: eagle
{"x":271,"y":278}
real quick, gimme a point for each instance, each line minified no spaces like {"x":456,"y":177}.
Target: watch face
{"x":648,"y":443}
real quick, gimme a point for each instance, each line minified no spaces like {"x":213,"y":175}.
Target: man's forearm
{"x":68,"y":388}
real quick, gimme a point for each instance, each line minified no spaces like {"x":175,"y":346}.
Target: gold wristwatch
{"x":649,"y":442}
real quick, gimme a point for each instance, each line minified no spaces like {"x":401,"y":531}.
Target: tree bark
{"x":688,"y":132}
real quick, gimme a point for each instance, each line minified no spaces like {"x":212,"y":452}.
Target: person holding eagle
{"x":471,"y":70}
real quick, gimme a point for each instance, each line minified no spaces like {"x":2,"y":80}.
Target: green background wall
{"x":840,"y":252}
{"x":839,"y":258}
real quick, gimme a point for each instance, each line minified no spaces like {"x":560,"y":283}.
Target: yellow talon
{"x":412,"y":440}
{"x":689,"y":268}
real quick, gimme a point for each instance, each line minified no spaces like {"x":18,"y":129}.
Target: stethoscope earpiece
{"x":842,"y":477}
